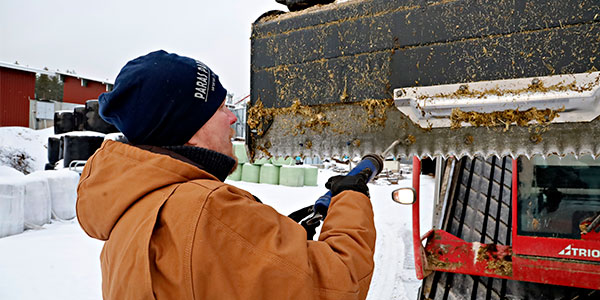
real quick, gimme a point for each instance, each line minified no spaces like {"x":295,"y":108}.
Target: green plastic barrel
{"x":269,"y":174}
{"x":310,"y":175}
{"x":291,"y":176}
{"x":239,"y":150}
{"x":250,"y":173}
{"x":237,"y":174}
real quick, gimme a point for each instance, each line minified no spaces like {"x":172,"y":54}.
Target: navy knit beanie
{"x":162,"y":99}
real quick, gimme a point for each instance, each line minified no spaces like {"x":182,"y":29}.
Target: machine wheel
{"x":479,"y":210}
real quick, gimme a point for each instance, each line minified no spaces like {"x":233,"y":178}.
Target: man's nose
{"x":232,"y":117}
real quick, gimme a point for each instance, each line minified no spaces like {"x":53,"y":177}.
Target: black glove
{"x":358,"y":182}
{"x":300,"y":216}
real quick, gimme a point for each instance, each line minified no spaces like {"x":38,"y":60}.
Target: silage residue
{"x":535,"y":87}
{"x":315,"y":117}
{"x":503,"y":118}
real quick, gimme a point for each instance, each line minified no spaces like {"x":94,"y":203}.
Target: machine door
{"x":558,"y":207}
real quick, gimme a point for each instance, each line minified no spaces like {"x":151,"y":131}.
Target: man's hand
{"x":358,"y":182}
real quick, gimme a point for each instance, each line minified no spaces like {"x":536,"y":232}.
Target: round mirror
{"x":406,"y":195}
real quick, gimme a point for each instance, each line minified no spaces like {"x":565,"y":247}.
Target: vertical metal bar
{"x":447,"y":193}
{"x":488,"y":200}
{"x":417,"y":246}
{"x":439,"y":177}
{"x":515,"y":172}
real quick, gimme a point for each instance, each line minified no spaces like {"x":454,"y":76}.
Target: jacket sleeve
{"x":275,"y":258}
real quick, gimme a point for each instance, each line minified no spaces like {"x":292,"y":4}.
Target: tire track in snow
{"x":394,"y":276}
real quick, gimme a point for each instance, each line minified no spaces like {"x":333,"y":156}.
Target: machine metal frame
{"x":559,"y":261}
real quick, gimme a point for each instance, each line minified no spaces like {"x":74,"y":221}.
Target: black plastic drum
{"x":80,"y":118}
{"x":80,"y":147}
{"x":53,"y":150}
{"x":63,"y":122}
{"x":93,"y":120}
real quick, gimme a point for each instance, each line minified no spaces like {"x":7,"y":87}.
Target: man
{"x":174,"y":230}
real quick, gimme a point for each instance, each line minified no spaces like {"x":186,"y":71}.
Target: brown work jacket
{"x":174,"y":231}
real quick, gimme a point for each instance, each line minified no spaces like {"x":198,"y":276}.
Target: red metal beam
{"x":447,"y":253}
{"x":515,"y":193}
{"x":588,"y":250}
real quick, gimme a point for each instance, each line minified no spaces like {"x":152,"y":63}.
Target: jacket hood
{"x":117,"y":175}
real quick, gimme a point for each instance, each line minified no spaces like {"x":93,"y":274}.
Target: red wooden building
{"x":78,"y":89}
{"x":17,"y":86}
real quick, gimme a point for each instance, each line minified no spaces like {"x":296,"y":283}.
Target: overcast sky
{"x":96,"y":38}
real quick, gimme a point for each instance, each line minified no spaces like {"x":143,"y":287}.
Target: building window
{"x":84,"y":82}
{"x":109,"y":87}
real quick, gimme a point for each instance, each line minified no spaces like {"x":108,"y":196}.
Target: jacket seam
{"x":323,"y":290}
{"x":190,"y":249}
{"x":368,"y":274}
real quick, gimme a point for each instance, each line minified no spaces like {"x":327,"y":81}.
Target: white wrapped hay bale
{"x":63,"y":191}
{"x":291,"y":175}
{"x":262,"y":161}
{"x":311,"y":174}
{"x":239,"y":150}
{"x":280,"y":161}
{"x":269,"y":174}
{"x":12,"y":196}
{"x":250,"y":173}
{"x":237,"y":174}
{"x":36,"y":204}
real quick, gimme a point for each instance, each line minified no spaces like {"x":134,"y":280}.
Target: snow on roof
{"x":84,"y":77}
{"x":26,"y":69}
{"x":49,"y":73}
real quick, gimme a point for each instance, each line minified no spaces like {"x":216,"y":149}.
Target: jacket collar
{"x":215,"y":163}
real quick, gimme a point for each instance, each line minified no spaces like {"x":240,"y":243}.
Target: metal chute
{"x":527,"y":116}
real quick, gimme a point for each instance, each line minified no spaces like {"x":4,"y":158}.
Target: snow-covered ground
{"x":61,"y":262}
{"x":25,"y":147}
{"x":394,"y":276}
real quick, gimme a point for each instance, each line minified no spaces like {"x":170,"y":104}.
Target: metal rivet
{"x":535,"y":138}
{"x":399,"y":93}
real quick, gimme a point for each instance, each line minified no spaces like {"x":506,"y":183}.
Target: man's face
{"x":216,"y":134}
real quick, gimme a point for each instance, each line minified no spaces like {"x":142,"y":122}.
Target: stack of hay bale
{"x":30,"y":201}
{"x":282,"y":171}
